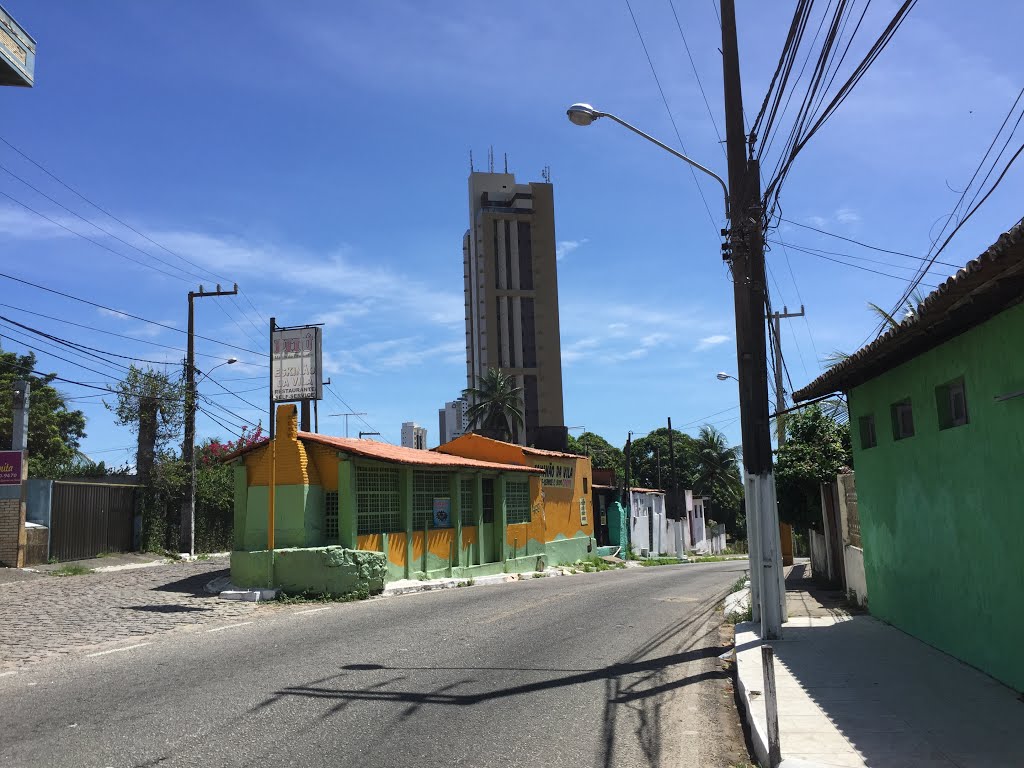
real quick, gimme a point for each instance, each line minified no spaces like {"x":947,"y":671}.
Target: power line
{"x":863,"y":244}
{"x":352,"y":410}
{"x":671,"y":118}
{"x":808,"y":248}
{"x":123,"y":313}
{"x":855,"y":266}
{"x":693,"y":66}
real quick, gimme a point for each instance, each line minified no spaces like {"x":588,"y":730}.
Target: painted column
{"x":501,"y":516}
{"x":405,"y":505}
{"x":241,"y":504}
{"x":478,"y":515}
{"x":348,"y":512}
{"x":455,"y":494}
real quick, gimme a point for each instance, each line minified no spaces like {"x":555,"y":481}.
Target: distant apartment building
{"x":452,"y":420}
{"x":511,"y":292}
{"x":414,"y":436}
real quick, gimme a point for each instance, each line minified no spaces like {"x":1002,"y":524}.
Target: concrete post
{"x":348,"y":514}
{"x":455,"y":493}
{"x":478,"y":515}
{"x":405,"y":505}
{"x":501,"y":516}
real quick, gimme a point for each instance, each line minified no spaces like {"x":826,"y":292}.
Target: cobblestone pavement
{"x":44,"y":617}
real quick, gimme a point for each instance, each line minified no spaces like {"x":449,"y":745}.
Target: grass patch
{"x":470,"y":582}
{"x":309,"y":596}
{"x":709,"y":559}
{"x":738,"y":618}
{"x":71,"y":570}
{"x":652,"y":561}
{"x":538,"y":575}
{"x":739,"y":584}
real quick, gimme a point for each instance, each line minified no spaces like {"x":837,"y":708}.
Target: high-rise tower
{"x":511,"y":286}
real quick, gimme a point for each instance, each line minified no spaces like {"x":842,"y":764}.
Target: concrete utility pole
{"x":745,"y":249}
{"x":672,"y":468}
{"x":19,"y":442}
{"x":780,"y":392}
{"x":187,"y":530}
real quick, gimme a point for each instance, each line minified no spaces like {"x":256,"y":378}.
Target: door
{"x":487,"y":535}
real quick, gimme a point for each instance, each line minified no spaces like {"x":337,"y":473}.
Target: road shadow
{"x":193,"y":586}
{"x":635,"y":689}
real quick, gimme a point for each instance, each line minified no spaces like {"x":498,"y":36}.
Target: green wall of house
{"x":318,"y":570}
{"x":942,"y":514}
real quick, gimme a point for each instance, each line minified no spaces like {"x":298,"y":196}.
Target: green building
{"x":937,"y":421}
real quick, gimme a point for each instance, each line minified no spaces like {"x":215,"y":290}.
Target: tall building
{"x":414,"y":436}
{"x":452,"y":420}
{"x":511,"y":287}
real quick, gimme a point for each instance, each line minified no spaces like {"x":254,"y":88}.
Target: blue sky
{"x":317,"y":154}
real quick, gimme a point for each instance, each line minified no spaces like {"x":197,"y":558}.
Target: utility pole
{"x":629,"y":445}
{"x":187,"y":529}
{"x":657,"y":461}
{"x":672,"y":468}
{"x":19,"y":442}
{"x":745,"y":249}
{"x":780,"y":393}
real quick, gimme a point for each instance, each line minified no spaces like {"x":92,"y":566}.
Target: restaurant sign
{"x":558,"y":474}
{"x":295,"y":366}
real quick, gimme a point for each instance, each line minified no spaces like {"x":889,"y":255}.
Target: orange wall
{"x":293,"y":463}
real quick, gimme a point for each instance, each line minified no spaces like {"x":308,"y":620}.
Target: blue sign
{"x":442,"y":513}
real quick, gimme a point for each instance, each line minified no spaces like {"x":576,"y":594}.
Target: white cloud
{"x":24,"y":225}
{"x":710,"y":341}
{"x":565,"y":247}
{"x":847,"y":216}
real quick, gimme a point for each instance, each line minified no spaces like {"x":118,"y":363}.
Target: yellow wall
{"x":293,"y":462}
{"x":559,"y":513}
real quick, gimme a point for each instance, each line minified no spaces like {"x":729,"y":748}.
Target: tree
{"x":54,"y":431}
{"x":718,"y":478}
{"x":649,"y":453}
{"x":496,"y":405}
{"x":603,"y":455}
{"x":152,"y":404}
{"x":816,"y":450}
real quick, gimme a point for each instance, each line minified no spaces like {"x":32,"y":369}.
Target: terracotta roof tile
{"x":371,"y":449}
{"x":984,"y":287}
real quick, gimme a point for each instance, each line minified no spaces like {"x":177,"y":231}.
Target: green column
{"x":405,"y":505}
{"x":348,"y":528}
{"x":478,"y":515}
{"x":500,"y":517}
{"x":455,"y":494}
{"x":241,"y":505}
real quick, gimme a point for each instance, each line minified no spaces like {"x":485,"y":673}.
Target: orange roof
{"x":371,"y":449}
{"x":646,"y":490}
{"x":541,"y":452}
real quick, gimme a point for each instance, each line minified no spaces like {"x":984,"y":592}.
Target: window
{"x":951,"y":401}
{"x":585,"y":488}
{"x":868,"y":438}
{"x":427,"y":486}
{"x":466,"y":499}
{"x":517,"y":501}
{"x":331,"y":516}
{"x":378,"y":509}
{"x":902,"y":420}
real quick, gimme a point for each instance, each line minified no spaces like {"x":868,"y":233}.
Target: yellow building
{"x":564,"y":528}
{"x":361,"y":512}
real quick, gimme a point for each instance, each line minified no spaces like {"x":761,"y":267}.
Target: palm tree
{"x":718,"y":470}
{"x":496,"y":404}
{"x":889,"y":322}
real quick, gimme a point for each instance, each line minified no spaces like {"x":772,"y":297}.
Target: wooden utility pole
{"x":746,"y":251}
{"x":187,"y":530}
{"x":780,"y":392}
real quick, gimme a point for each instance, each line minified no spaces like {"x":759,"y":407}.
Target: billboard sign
{"x":557,"y":474}
{"x":17,"y":53}
{"x":295,"y":365}
{"x":10,"y":467}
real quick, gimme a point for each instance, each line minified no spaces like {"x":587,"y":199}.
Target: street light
{"x":584,"y":115}
{"x":722,"y":376}
{"x":189,"y":535}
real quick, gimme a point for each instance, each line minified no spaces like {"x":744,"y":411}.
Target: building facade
{"x":511,"y":298}
{"x":414,"y":436}
{"x":452,"y":421}
{"x":937,"y":430}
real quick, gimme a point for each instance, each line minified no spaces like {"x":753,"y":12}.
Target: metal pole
{"x":273,"y":453}
{"x":780,"y":392}
{"x":771,"y":705}
{"x":186,"y":530}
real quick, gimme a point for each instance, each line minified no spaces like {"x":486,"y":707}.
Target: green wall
{"x":942,"y":515}
{"x":331,"y":570}
{"x":298,"y":517}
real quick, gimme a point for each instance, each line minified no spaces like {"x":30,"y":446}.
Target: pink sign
{"x":10,"y":467}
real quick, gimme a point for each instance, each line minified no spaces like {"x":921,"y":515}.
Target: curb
{"x":480,"y":581}
{"x":758,"y":737}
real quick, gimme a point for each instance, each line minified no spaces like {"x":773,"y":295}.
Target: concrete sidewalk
{"x":853,"y":691}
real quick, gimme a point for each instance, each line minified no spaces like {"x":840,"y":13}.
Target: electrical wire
{"x":863,"y":244}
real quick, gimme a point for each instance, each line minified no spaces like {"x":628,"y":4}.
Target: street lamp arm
{"x":667,"y":148}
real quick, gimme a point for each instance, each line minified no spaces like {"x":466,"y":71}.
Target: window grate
{"x":331,"y":517}
{"x":427,"y":486}
{"x":378,"y":506}
{"x":517,"y":501}
{"x":466,"y":499}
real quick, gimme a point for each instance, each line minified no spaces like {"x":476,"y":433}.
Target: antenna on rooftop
{"x":490,"y":159}
{"x":545,"y":174}
{"x":471,"y":168}
{"x":506,"y":162}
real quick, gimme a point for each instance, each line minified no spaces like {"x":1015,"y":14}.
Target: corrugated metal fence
{"x":88,"y":519}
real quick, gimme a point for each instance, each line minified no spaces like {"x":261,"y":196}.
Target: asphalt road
{"x":616,"y":668}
